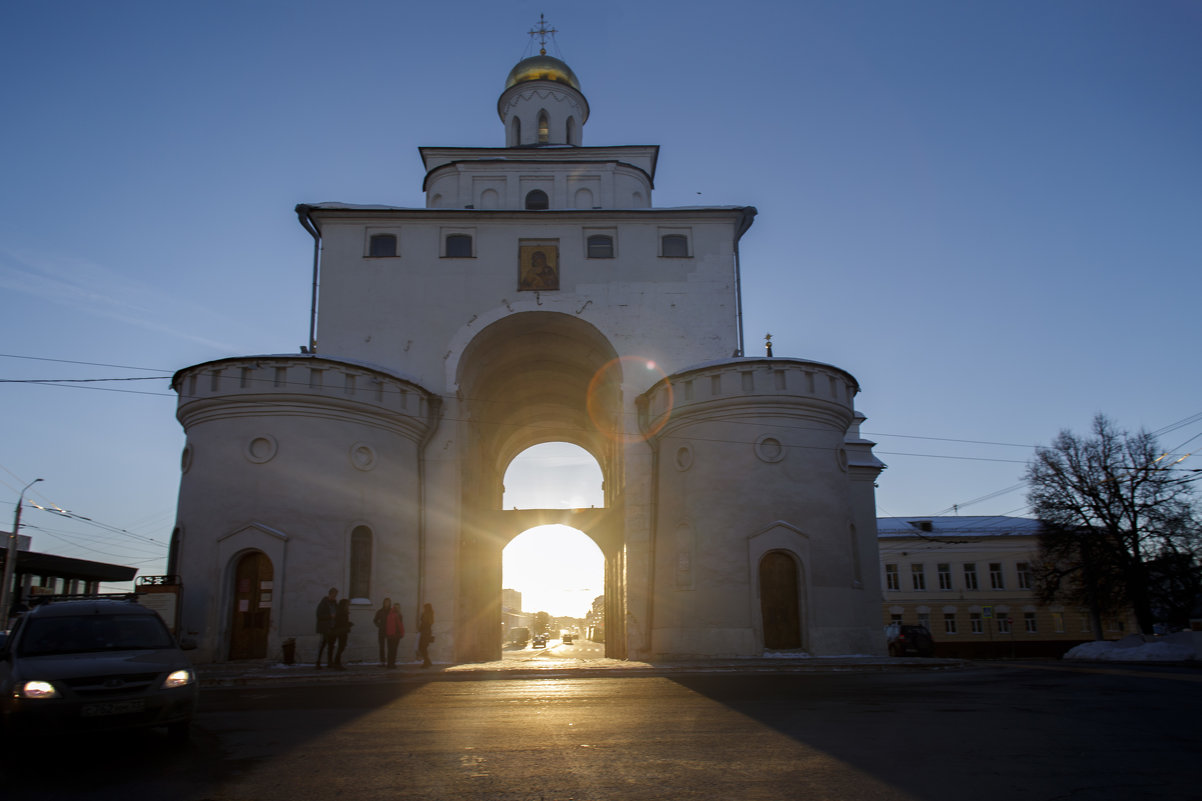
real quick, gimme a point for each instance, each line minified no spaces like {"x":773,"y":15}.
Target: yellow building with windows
{"x":970,"y":581}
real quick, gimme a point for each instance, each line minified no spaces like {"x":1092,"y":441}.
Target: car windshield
{"x":91,"y":633}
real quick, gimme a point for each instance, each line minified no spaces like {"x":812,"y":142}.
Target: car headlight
{"x":179,"y":678}
{"x":37,"y":689}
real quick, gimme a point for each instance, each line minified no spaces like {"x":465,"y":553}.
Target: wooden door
{"x":779,"y":604}
{"x":252,"y":607}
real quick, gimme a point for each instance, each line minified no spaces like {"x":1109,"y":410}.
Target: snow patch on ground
{"x":1184,"y":646}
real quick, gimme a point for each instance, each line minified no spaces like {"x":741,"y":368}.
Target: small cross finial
{"x":768,"y":343}
{"x":541,"y":32}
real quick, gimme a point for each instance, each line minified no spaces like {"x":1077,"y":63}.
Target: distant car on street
{"x":540,"y":641}
{"x":519,"y":636}
{"x":568,"y":637}
{"x":94,"y":665}
{"x":909,"y":640}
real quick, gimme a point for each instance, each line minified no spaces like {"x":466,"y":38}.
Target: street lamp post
{"x":10,"y":559}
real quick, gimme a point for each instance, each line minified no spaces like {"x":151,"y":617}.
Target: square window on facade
{"x":382,"y":246}
{"x":674,"y":246}
{"x":1003,"y":623}
{"x":945,"y":576}
{"x":949,"y":622}
{"x":1029,"y":623}
{"x":1058,"y":622}
{"x":917,"y":577}
{"x":1024,"y":575}
{"x":970,"y":576}
{"x":997,"y":579}
{"x":891,"y":578}
{"x":458,"y":246}
{"x":600,"y":246}
{"x":976,"y":623}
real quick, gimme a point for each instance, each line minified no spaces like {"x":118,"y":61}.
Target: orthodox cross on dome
{"x":768,"y":343}
{"x":541,"y":32}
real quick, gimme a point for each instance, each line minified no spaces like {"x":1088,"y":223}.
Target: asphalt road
{"x":1005,"y":732}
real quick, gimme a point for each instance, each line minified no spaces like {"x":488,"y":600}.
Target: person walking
{"x":341,"y":630}
{"x":326,"y":608}
{"x":380,"y":616}
{"x":394,"y":630}
{"x":425,"y":629}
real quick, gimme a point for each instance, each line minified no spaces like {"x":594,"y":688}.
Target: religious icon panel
{"x":538,"y":267}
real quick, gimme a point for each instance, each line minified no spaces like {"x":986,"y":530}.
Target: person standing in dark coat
{"x":394,"y":630}
{"x":425,"y":630}
{"x":380,"y":616}
{"x":326,"y":608}
{"x":342,"y":630}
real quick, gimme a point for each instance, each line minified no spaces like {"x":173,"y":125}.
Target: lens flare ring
{"x":605,"y":394}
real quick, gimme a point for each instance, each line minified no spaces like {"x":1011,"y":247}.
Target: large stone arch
{"x":524,"y":380}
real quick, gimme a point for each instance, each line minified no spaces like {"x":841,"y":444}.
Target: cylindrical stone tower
{"x":300,"y":473}
{"x":757,"y":538}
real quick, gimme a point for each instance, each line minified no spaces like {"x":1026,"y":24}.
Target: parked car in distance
{"x":80,"y":666}
{"x":540,"y":641}
{"x":909,"y":640}
{"x":568,"y":637}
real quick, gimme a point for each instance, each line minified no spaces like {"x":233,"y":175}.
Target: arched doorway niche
{"x":528,"y":379}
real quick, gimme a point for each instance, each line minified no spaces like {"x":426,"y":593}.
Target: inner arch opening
{"x":553,"y":475}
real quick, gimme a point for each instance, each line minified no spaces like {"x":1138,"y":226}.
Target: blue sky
{"x":989,"y":213}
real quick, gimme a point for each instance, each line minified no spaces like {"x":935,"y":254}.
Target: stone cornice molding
{"x":760,"y":388}
{"x":298,"y":386}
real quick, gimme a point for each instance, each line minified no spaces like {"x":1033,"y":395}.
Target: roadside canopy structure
{"x":38,"y":573}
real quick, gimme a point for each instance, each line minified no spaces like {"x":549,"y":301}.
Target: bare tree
{"x":1115,"y":515}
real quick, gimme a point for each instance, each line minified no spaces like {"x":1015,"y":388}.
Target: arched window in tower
{"x":537,"y":200}
{"x":360,"y":562}
{"x":544,"y":128}
{"x":571,"y":140}
{"x":517,"y":131}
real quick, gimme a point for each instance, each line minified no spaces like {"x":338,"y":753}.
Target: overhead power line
{"x":87,"y":364}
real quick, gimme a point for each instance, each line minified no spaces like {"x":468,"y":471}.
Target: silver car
{"x":94,"y":665}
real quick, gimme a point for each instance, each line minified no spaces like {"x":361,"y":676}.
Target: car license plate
{"x":112,"y":708}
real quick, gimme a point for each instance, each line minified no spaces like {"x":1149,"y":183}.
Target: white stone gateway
{"x":538,"y":297}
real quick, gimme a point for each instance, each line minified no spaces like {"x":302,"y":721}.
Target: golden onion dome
{"x":542,"y":68}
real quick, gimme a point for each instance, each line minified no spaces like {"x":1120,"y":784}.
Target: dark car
{"x":539,"y":641}
{"x":78,"y":666}
{"x":910,"y":641}
{"x":568,"y":638}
